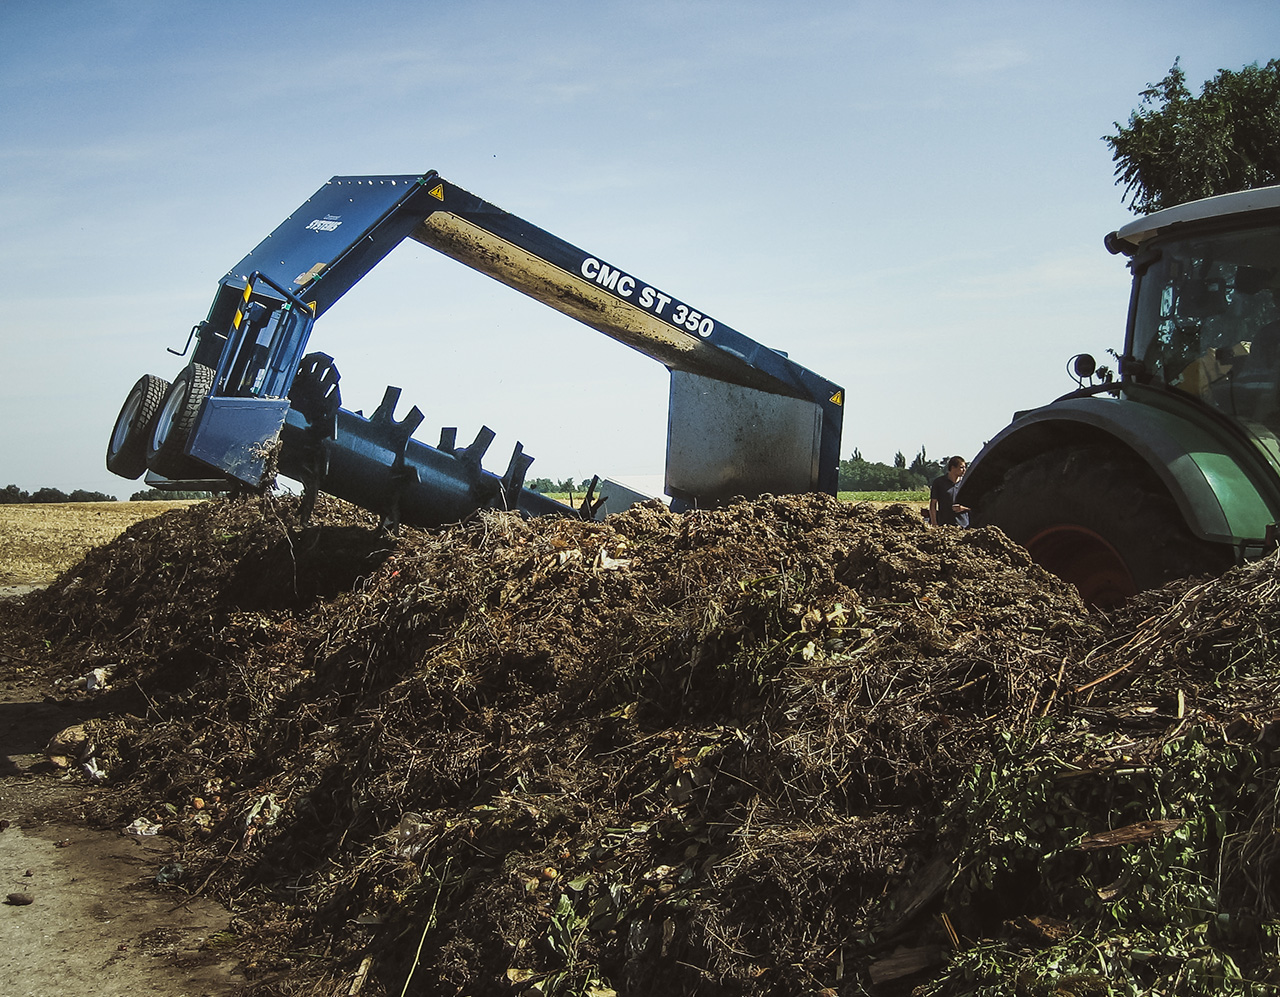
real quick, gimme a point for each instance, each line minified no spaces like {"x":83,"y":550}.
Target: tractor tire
{"x":167,"y":442}
{"x":127,"y":448}
{"x":1098,"y":517}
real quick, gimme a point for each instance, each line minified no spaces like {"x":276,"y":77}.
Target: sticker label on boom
{"x":329,"y":223}
{"x":649,"y":298}
{"x":309,"y":275}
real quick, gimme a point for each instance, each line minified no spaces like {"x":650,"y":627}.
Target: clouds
{"x":990,"y":57}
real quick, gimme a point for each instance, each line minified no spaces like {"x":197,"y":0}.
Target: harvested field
{"x":790,"y":746}
{"x":41,"y":540}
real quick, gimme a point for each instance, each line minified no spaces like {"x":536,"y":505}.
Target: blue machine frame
{"x":763,"y":408}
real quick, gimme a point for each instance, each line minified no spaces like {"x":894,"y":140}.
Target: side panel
{"x":238,"y":435}
{"x":1221,"y":485}
{"x":724,"y":440}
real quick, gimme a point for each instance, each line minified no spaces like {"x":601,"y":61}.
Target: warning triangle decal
{"x":837,"y":398}
{"x":437,"y":192}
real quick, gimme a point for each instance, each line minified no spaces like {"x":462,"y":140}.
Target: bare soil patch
{"x":88,"y":909}
{"x":94,"y":919}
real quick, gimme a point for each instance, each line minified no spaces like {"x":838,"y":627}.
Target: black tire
{"x":167,"y":441}
{"x":1098,"y":516}
{"x":127,"y":448}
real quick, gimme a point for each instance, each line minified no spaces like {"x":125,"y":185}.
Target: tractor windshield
{"x":1207,"y":321}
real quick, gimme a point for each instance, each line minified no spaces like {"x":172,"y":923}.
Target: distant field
{"x":39,"y":541}
{"x":908,"y":497}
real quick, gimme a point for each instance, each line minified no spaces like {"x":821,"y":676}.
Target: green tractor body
{"x":1171,"y":468}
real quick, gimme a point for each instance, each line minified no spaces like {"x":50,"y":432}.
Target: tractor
{"x":1168,"y":465}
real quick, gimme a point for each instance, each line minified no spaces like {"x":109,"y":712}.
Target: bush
{"x":13,"y":495}
{"x":157,"y":495}
{"x":858,"y":475}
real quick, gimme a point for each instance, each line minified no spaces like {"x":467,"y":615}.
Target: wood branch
{"x":905,"y":961}
{"x":927,"y":884}
{"x":1132,"y":834}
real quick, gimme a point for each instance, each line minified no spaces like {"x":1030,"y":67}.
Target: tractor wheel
{"x":127,"y":449}
{"x":167,"y":444}
{"x":1098,"y":517}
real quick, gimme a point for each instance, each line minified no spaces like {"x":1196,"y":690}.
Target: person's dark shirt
{"x":943,"y":491}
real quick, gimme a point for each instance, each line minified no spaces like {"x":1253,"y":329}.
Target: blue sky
{"x":907,"y":198}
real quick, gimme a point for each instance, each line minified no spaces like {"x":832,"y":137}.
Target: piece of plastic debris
{"x":96,"y":680}
{"x":170,"y":873}
{"x":144,"y":827}
{"x":265,"y":808}
{"x":409,"y":834}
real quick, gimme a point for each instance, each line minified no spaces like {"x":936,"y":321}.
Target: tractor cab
{"x":1206,"y":322}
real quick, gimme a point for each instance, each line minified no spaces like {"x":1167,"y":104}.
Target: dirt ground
{"x":83,"y":911}
{"x":40,"y":540}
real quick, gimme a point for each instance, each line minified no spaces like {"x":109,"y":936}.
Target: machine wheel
{"x":1099,"y":517}
{"x":167,"y":442}
{"x":127,"y":449}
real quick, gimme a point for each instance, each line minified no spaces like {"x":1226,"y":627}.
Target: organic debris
{"x":788,"y":746}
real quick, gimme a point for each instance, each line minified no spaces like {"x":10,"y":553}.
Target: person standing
{"x":944,"y":510}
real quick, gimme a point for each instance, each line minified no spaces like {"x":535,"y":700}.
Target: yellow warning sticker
{"x":437,"y":192}
{"x":244,"y":302}
{"x":837,"y":398}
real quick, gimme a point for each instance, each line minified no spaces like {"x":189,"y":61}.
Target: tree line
{"x":548,"y":486}
{"x":859,"y":475}
{"x":13,"y":495}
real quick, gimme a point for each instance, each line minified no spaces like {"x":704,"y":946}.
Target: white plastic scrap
{"x":144,"y":827}
{"x":96,"y":680}
{"x":267,"y":808}
{"x":606,"y":563}
{"x":409,"y":834}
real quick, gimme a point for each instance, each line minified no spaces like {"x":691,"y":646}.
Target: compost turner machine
{"x":743,"y":420}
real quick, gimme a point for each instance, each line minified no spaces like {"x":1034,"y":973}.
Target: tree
{"x":159,"y":495}
{"x":83,"y":495}
{"x":48,"y":495}
{"x":1178,"y":148}
{"x":926,"y":468}
{"x":12,"y":494}
{"x":858,"y":475}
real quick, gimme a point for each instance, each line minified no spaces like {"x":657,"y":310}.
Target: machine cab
{"x":1205,"y":312}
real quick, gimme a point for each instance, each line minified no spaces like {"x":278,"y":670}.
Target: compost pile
{"x":789,"y":746}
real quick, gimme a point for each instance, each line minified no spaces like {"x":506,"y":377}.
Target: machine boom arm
{"x":744,"y":418}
